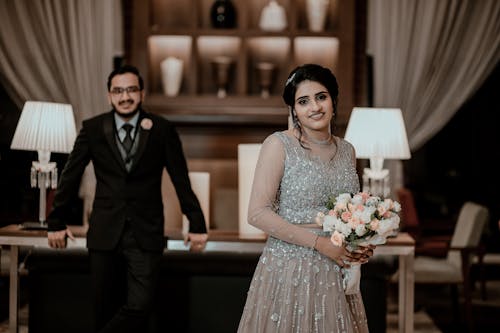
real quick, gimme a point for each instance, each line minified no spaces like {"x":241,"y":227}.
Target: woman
{"x":297,"y":285}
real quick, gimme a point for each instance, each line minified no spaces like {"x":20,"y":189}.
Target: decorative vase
{"x":265,"y":72}
{"x":171,"y":74}
{"x":317,"y":11}
{"x":223,"y":14}
{"x":221,"y":69}
{"x":273,"y":17}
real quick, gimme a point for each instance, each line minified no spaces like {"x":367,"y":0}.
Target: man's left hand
{"x":197,"y":241}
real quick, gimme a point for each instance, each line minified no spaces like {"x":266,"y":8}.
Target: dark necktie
{"x":127,"y":141}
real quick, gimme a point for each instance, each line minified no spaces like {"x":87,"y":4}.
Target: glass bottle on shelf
{"x":223,"y":14}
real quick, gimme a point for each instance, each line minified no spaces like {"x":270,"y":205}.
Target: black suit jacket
{"x":122,"y":196}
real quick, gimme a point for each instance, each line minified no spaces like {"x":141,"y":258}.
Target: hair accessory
{"x":290,"y":79}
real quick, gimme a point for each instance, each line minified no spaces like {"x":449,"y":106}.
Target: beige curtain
{"x":430,"y":56}
{"x":59,"y":51}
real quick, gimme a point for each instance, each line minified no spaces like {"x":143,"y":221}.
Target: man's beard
{"x":127,"y":115}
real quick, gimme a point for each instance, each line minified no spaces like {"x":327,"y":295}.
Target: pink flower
{"x":359,"y":208}
{"x":337,"y":238}
{"x":354,"y":222}
{"x":146,"y":124}
{"x":345,"y":216}
{"x":364,"y":195}
{"x":332,"y":212}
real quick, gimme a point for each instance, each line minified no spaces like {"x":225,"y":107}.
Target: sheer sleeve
{"x":266,"y":183}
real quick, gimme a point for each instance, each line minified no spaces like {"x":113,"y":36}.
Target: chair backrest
{"x":248,"y":154}
{"x":470,"y":225}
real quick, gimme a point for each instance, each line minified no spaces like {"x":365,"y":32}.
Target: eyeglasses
{"x":130,"y":90}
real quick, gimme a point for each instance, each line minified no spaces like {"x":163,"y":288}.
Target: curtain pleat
{"x":430,"y":57}
{"x":59,"y":51}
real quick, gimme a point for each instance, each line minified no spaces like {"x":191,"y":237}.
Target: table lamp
{"x":377,"y":134}
{"x":44,"y":127}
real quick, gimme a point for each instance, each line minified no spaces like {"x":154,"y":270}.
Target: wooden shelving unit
{"x":163,"y":28}
{"x":210,"y":127}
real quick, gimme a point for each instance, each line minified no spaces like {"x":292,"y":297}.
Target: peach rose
{"x":341,"y":206}
{"x":337,"y":238}
{"x":381,"y":210}
{"x":353,"y":223}
{"x":346,"y":216}
{"x":359,"y":208}
{"x":374,"y":224}
{"x":364,"y":195}
{"x":319,"y":218}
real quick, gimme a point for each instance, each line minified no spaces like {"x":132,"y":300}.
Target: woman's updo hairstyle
{"x":311,"y":72}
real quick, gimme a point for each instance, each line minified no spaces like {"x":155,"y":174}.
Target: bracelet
{"x":315,"y":242}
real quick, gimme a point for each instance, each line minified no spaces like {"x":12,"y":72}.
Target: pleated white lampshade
{"x":378,"y":132}
{"x":45,"y":126}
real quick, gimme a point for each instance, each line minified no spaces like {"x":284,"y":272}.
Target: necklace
{"x":325,"y":142}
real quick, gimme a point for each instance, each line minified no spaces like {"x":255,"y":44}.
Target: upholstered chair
{"x":454,"y":269}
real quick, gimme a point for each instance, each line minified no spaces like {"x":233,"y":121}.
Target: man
{"x":129,"y":149}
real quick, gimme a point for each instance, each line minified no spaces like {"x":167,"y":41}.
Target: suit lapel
{"x":143,"y":138}
{"x":108,"y":125}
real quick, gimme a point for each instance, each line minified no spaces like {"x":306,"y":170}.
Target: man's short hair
{"x":123,"y":70}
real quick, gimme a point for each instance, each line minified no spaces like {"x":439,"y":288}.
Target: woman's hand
{"x":339,"y":254}
{"x":362,"y":254}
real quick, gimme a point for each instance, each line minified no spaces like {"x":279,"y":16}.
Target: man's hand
{"x":198,"y":241}
{"x":57,"y":239}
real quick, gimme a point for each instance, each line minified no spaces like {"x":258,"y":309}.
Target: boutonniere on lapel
{"x":146,"y":124}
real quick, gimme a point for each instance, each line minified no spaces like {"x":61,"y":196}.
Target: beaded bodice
{"x":308,"y":181}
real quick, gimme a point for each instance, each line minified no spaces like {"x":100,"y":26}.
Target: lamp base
{"x":33,"y":226}
{"x":376,"y":182}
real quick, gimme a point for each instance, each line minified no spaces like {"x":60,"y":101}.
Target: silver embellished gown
{"x":294,"y":287}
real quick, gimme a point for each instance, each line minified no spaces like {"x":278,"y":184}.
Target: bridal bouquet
{"x":359,"y":220}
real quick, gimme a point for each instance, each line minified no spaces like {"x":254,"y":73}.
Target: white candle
{"x":247,"y":160}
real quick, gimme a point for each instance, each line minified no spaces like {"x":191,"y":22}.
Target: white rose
{"x":343,"y":198}
{"x":360,"y":230}
{"x":357,"y":199}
